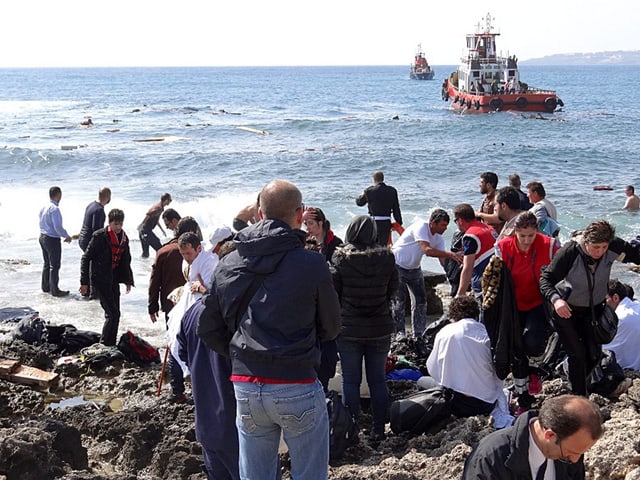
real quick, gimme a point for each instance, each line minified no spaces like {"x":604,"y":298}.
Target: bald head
{"x":281,"y":200}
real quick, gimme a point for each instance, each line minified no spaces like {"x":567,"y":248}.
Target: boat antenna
{"x":488,"y":18}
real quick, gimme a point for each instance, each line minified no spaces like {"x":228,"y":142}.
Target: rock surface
{"x":120,"y":430}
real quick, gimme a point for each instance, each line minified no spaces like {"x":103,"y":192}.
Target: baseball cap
{"x":218,"y":235}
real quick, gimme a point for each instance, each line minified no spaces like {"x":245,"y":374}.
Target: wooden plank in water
{"x":152,"y":139}
{"x":253,"y":130}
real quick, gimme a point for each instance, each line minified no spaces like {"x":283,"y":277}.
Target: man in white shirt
{"x":197,"y":266}
{"x":543,"y":209}
{"x":420,"y":238}
{"x":625,"y":344}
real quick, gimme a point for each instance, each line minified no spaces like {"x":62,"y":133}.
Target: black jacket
{"x":294,"y":308}
{"x":366,"y":278}
{"x":504,"y":455}
{"x":568,"y":265}
{"x":96,"y":261}
{"x":503,"y":326}
{"x":382,"y":200}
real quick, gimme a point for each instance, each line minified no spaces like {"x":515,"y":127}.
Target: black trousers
{"x":465,"y":406}
{"x":384,"y":228}
{"x":584,"y":354}
{"x":149,"y":239}
{"x":109,"y":296}
{"x":52,"y":256}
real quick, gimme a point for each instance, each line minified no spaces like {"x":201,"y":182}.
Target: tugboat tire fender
{"x":455,"y":100}
{"x":521,"y":103}
{"x":496,"y":104}
{"x":477,"y":105}
{"x":560,"y":102}
{"x":550,"y":104}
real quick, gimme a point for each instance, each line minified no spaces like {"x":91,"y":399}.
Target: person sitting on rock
{"x":471,"y":375}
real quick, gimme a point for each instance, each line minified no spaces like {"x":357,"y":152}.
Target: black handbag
{"x":604,"y":327}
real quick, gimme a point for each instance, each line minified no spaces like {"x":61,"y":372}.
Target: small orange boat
{"x":486,"y":82}
{"x":420,"y":69}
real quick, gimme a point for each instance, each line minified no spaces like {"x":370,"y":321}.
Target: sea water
{"x":328,"y":129}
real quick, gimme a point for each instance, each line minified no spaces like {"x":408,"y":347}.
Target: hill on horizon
{"x":619,"y":57}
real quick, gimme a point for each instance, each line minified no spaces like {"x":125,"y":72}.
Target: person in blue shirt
{"x":51,"y":231}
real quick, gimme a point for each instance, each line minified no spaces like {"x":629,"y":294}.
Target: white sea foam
{"x":330,"y":127}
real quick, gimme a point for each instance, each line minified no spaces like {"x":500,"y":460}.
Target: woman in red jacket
{"x":526,"y":254}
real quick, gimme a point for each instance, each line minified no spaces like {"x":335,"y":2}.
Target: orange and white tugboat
{"x":420,"y":69}
{"x":486,"y":82}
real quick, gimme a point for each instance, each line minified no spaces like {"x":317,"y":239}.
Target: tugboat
{"x":420,"y":70}
{"x":486,"y":82}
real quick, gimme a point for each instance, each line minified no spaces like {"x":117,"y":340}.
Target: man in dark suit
{"x":383,"y":201}
{"x":545,"y":444}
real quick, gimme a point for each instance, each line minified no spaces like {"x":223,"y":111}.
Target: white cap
{"x":218,"y":235}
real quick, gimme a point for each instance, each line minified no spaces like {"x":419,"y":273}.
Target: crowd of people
{"x":261,"y":318}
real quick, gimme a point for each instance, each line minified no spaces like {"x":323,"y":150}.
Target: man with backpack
{"x":271,"y":304}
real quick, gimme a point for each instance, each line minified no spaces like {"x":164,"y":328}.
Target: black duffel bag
{"x":422,"y":412}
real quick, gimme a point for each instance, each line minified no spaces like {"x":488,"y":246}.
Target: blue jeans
{"x":297,"y":410}
{"x":413,"y":280}
{"x":374,"y":351}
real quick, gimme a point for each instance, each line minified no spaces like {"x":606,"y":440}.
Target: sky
{"x":86,"y":33}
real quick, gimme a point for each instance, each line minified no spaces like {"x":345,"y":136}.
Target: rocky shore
{"x":118,"y":428}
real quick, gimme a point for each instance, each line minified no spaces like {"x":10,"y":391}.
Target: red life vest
{"x":117,"y":247}
{"x":485,"y":236}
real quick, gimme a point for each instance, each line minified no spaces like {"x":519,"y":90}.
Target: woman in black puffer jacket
{"x":365,"y":277}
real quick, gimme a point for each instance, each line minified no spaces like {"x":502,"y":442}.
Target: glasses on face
{"x":301,"y":207}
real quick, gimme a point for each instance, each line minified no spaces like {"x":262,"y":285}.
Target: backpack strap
{"x":243,"y":306}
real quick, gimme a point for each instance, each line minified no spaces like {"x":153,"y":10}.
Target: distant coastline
{"x":619,"y":57}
